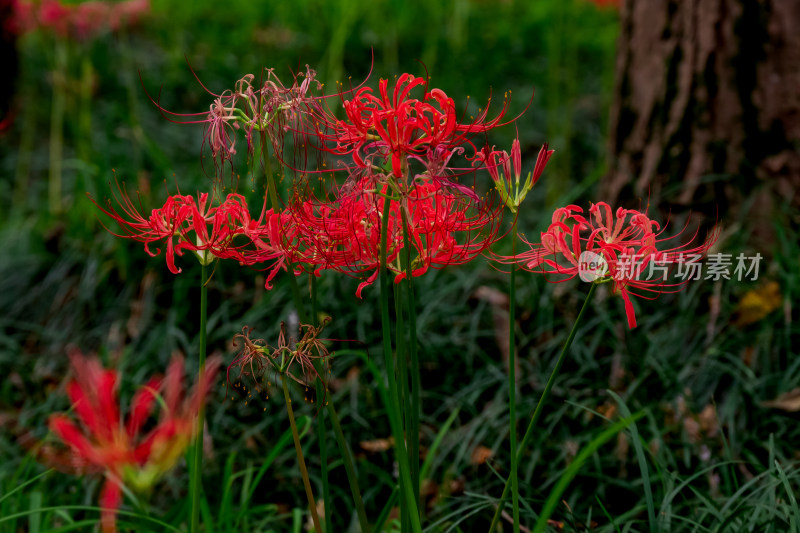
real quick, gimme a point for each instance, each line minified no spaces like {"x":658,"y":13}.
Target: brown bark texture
{"x":707,"y":108}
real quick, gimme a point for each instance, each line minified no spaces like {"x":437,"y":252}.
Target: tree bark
{"x":707,"y":108}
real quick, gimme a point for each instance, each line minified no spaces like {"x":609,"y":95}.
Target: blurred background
{"x":687,"y":109}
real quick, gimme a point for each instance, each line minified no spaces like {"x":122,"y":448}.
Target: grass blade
{"x":575,"y":466}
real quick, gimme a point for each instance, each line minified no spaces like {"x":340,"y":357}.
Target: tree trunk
{"x":707,"y":108}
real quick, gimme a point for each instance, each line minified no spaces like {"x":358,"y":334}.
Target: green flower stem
{"x":416,"y":406}
{"x":402,"y":359}
{"x":323,"y":454}
{"x":512,"y":378}
{"x":312,"y":505}
{"x":272,"y":189}
{"x":321,"y":434}
{"x":84,"y":141}
{"x":57,"y":128}
{"x":344,"y":449}
{"x":352,"y":478}
{"x":25,"y":154}
{"x":312,"y":281}
{"x":272,"y":192}
{"x":197,"y":456}
{"x":394,"y":405}
{"x":538,"y":411}
{"x":402,"y":389}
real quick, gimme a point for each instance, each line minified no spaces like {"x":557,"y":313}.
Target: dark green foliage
{"x":65,"y":281}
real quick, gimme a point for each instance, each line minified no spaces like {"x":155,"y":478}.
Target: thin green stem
{"x":312,"y":505}
{"x":84,"y":140}
{"x":394,"y":403}
{"x":347,"y":457}
{"x":538,"y":411}
{"x":416,"y":406}
{"x":323,"y":457}
{"x":25,"y":152}
{"x":322,"y":392}
{"x":197,"y":456}
{"x":402,"y":359}
{"x":512,"y":378}
{"x":352,"y":478}
{"x":272,"y":189}
{"x":312,"y":281}
{"x":57,"y":129}
{"x":402,"y":389}
{"x":272,"y":193}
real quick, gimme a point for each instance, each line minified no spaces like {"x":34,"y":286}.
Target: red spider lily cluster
{"x":443,"y":228}
{"x":81,"y":21}
{"x":102,"y":441}
{"x":445,"y":219}
{"x":628,"y":241}
{"x":224,"y":231}
{"x":442,"y":221}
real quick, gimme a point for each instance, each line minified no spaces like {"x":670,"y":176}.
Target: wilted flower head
{"x":293,"y":357}
{"x":255,"y":106}
{"x":626,"y":247}
{"x":103,"y":442}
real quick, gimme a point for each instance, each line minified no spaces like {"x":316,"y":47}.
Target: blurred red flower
{"x":101,"y":441}
{"x":82,"y":21}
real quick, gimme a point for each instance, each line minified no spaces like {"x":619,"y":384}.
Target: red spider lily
{"x":628,"y":244}
{"x":103,"y":442}
{"x":226,"y":231}
{"x":511,"y":191}
{"x":444,"y":229}
{"x":399,"y":126}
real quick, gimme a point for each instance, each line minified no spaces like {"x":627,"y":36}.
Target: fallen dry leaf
{"x":788,"y":401}
{"x":692,"y":428}
{"x":480,"y":455}
{"x":758,"y":303}
{"x":377,"y":445}
{"x":708,"y":420}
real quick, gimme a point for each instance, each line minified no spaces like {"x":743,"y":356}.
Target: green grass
{"x":64,"y":281}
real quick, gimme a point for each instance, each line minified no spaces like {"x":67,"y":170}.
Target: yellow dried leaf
{"x":758,"y":303}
